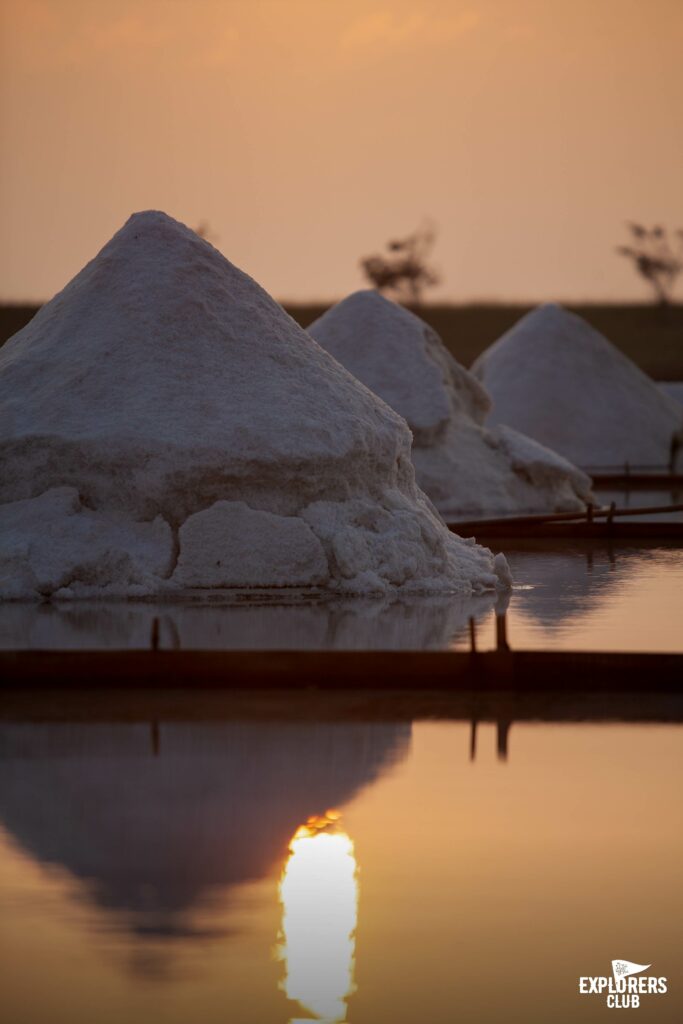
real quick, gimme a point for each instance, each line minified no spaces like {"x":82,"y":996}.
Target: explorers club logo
{"x":623,"y":990}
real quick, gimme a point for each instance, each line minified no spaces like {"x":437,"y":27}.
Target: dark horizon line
{"x":474,"y":303}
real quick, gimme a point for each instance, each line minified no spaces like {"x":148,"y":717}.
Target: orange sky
{"x":307,"y":132}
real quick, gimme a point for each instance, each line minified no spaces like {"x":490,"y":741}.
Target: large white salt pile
{"x":558,"y":379}
{"x":673,"y":388}
{"x":165,"y":425}
{"x":465,"y":468}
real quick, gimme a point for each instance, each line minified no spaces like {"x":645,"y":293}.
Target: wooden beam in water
{"x":449,"y":671}
{"x":658,"y":481}
{"x":569,"y":529}
{"x":195,"y":704}
{"x":588,"y":516}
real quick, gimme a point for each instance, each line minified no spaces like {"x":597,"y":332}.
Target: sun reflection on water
{"x":319,"y":896}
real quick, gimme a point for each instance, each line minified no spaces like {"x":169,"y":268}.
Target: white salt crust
{"x":673,"y":388}
{"x":165,"y":425}
{"x":559,"y":380}
{"x":464,"y":467}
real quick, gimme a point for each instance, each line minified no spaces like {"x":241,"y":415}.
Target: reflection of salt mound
{"x":556,"y":378}
{"x":570,"y":585}
{"x":463,"y":467}
{"x":432,"y":622}
{"x":164,"y":425}
{"x":152,"y":835}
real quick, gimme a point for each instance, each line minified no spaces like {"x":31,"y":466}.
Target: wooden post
{"x":610,"y":515}
{"x":473,"y":739}
{"x":502,"y":738}
{"x":155,"y":634}
{"x":155,"y":738}
{"x":501,"y":633}
{"x":473,"y":636}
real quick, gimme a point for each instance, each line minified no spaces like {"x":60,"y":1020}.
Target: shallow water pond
{"x":597,"y":597}
{"x":369,"y":872}
{"x":583,"y":596}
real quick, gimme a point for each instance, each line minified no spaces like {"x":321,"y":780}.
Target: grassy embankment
{"x":651,"y":338}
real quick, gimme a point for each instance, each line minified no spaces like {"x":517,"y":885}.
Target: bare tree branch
{"x":404,"y":270}
{"x":654,"y":258}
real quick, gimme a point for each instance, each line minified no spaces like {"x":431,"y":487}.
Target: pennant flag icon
{"x":622,"y":968}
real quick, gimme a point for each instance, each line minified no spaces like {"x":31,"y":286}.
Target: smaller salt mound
{"x":465,"y":468}
{"x":672,"y":388}
{"x":554,"y":377}
{"x":165,"y":426}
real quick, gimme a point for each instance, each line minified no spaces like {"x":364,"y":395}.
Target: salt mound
{"x":673,"y":388}
{"x":556,"y":378}
{"x":465,"y":468}
{"x":165,"y":425}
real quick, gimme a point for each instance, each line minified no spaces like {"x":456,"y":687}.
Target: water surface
{"x":582,"y":596}
{"x":370,"y":873}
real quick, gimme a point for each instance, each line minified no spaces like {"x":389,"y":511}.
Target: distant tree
{"x":403,"y":269}
{"x":656,"y":257}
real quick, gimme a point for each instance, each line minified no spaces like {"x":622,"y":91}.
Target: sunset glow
{"x":319,"y":895}
{"x":306,"y":134}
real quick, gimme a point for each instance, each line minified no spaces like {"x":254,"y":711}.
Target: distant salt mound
{"x":165,"y":425}
{"x":672,"y":388}
{"x":465,"y":468}
{"x":556,"y":378}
